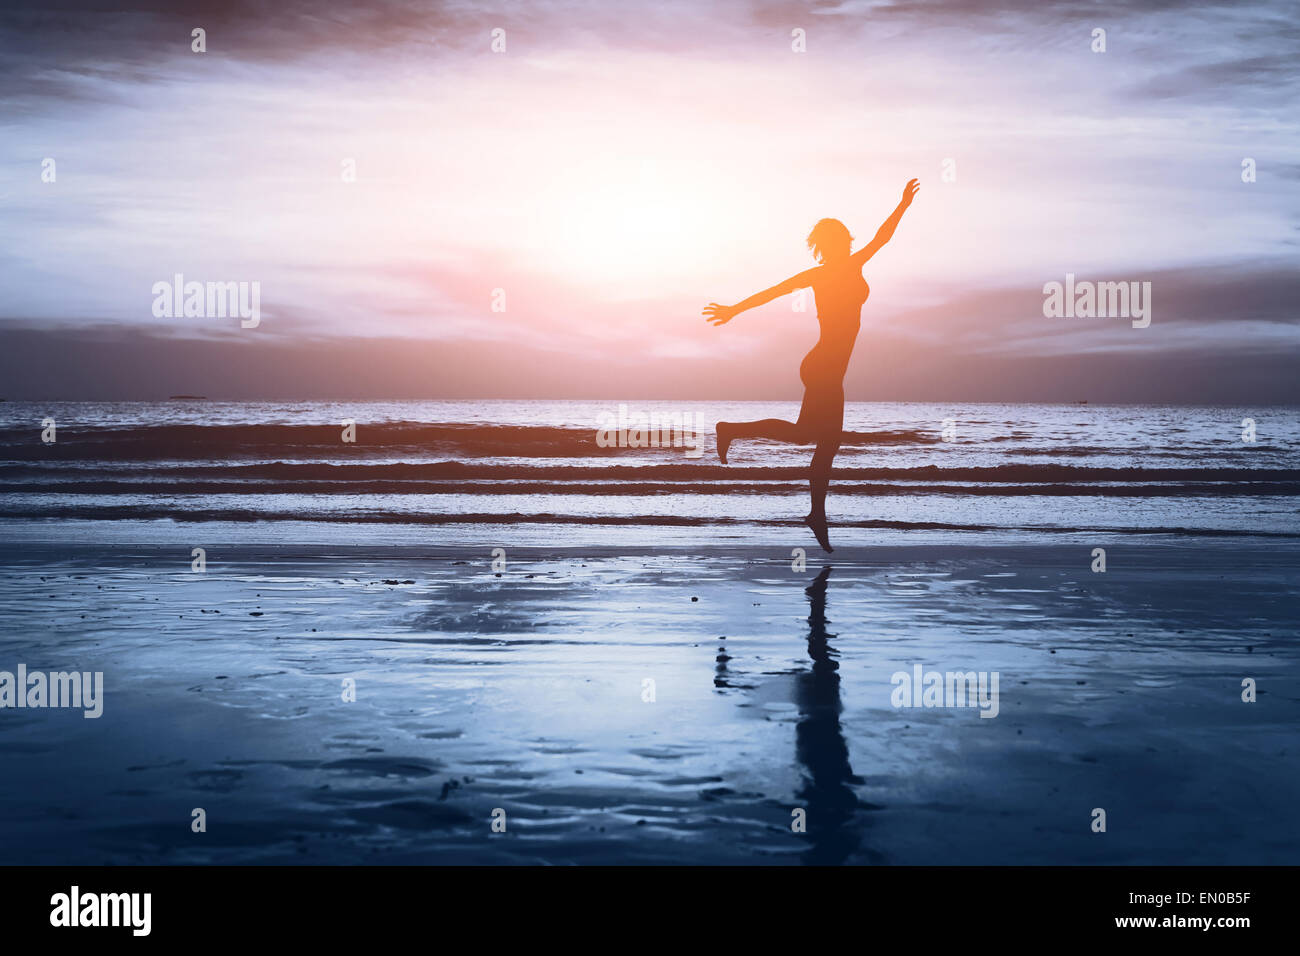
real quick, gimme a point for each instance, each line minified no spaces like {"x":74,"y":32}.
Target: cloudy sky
{"x":619,"y":165}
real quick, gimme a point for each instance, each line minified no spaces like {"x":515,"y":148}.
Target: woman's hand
{"x":718,"y":314}
{"x":909,"y":192}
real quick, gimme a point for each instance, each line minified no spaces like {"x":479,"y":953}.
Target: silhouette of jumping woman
{"x":840,"y":291}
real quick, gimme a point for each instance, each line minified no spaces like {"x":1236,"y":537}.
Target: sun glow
{"x":628,"y":222}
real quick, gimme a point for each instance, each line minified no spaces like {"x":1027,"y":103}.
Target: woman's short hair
{"x":827,"y":233}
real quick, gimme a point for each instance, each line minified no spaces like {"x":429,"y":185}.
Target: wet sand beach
{"x":528,"y":690}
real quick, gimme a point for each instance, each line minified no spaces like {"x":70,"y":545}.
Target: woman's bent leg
{"x":776,"y":429}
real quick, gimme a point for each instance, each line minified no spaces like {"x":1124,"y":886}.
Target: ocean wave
{"x":361,"y":472}
{"x":311,"y":486}
{"x":139,"y":442}
{"x":158,"y":512}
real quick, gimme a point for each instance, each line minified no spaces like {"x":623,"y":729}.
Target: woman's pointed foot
{"x":818,"y":525}
{"x":724,"y":440}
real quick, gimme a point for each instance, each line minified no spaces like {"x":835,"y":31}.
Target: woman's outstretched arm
{"x":886,"y":230}
{"x":722,"y":314}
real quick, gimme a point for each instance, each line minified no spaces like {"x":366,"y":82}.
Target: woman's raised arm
{"x":886,"y":230}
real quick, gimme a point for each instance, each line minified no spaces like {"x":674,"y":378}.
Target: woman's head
{"x":829,"y":240}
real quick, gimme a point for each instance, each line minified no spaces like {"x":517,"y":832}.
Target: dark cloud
{"x":1219,"y":335}
{"x":1259,"y":292}
{"x":48,"y":365}
{"x":58,"y":48}
{"x":52,"y":50}
{"x":1267,"y":76}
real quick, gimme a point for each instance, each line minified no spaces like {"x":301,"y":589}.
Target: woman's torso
{"x":840,"y":294}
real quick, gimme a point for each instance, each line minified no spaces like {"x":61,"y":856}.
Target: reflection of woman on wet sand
{"x":840,"y":292}
{"x":827,"y":793}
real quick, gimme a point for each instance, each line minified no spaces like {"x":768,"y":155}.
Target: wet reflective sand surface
{"x":674,"y":705}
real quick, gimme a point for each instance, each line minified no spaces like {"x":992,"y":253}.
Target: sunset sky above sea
{"x":617,"y":167}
